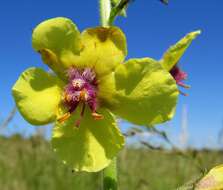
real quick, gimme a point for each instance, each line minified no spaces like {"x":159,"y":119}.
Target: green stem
{"x":110,"y":181}
{"x":105,"y":9}
{"x":109,"y":173}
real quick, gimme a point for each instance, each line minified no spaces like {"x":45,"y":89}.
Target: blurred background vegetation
{"x":30,"y":164}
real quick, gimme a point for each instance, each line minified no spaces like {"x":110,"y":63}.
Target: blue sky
{"x":150,"y":29}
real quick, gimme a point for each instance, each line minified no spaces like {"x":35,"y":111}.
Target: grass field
{"x":30,"y":165}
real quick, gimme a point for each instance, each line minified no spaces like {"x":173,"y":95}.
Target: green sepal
{"x":115,"y":3}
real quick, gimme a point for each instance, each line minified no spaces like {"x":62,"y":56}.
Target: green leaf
{"x":92,"y":146}
{"x":140,"y":91}
{"x":37,"y":95}
{"x":114,"y":3}
{"x":175,"y":52}
{"x":166,"y":2}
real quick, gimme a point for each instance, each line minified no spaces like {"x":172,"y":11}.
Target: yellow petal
{"x":175,"y":52}
{"x":37,"y":95}
{"x":140,"y":91}
{"x":53,"y":37}
{"x":102,"y":49}
{"x":90,"y":147}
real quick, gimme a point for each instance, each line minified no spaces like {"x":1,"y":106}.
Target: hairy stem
{"x":109,"y":173}
{"x":105,"y":9}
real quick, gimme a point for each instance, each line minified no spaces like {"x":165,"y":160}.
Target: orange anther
{"x":64,"y":117}
{"x":97,"y":116}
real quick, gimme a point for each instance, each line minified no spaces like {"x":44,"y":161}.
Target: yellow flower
{"x":91,"y":83}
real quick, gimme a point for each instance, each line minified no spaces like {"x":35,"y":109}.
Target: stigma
{"x":81,"y":90}
{"x":179,"y":77}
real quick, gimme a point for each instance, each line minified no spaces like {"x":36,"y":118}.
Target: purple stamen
{"x":73,"y":73}
{"x":81,"y":88}
{"x":89,"y":75}
{"x":179,"y":76}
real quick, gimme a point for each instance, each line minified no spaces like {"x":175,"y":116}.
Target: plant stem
{"x":110,"y":176}
{"x":105,"y":9}
{"x":109,"y":173}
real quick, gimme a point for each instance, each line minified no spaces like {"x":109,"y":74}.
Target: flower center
{"x":81,"y":90}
